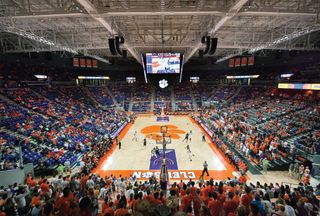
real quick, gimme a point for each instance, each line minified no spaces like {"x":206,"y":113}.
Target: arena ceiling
{"x":159,"y":25}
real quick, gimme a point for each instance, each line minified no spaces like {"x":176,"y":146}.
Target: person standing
{"x":145,"y":142}
{"x":186,"y":138}
{"x":153,"y":153}
{"x":117,"y":139}
{"x":119,"y":145}
{"x":265,"y":164}
{"x":189,"y":153}
{"x":205,"y":168}
{"x":301,"y":171}
{"x":203,"y":137}
{"x":135,"y":136}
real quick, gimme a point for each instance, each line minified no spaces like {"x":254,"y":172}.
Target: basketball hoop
{"x":167,"y":139}
{"x":163,"y":129}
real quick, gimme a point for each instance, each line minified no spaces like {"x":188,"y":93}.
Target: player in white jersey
{"x":135,"y":136}
{"x":190,"y":155}
{"x":153,"y":153}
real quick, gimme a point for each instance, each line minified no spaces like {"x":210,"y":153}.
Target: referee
{"x":205,"y":168}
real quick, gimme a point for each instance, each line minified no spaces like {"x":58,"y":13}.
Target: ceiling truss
{"x":158,"y":25}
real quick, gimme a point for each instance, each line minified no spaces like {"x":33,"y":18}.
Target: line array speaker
{"x":112,"y":46}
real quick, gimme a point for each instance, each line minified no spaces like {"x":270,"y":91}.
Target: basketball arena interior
{"x":160,"y":107}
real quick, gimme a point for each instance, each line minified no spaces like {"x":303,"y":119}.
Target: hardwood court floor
{"x":134,"y":158}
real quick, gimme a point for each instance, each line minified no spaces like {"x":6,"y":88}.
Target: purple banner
{"x":163,"y":118}
{"x":171,"y":161}
{"x":119,"y":130}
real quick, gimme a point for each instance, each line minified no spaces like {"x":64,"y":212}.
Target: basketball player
{"x":153,"y":153}
{"x":145,"y":142}
{"x":203,"y":137}
{"x":186,"y":138}
{"x":205,"y":168}
{"x":188,"y":147}
{"x":135,"y":136}
{"x":189,"y":152}
{"x":157,"y":151}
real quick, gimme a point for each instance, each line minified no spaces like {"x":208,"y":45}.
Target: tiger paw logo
{"x":154,"y":130}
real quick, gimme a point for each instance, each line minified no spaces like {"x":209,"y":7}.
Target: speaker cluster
{"x":211,"y":45}
{"x":114,"y":46}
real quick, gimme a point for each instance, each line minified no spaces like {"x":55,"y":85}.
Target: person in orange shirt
{"x":122,"y":211}
{"x":156,"y":198}
{"x":197,"y":202}
{"x":229,"y":205}
{"x":186,"y":201}
{"x":105,"y":204}
{"x":236,"y":197}
{"x":44,"y":186}
{"x":63,"y":203}
{"x":108,"y":210}
{"x":149,"y":197}
{"x":215,"y":205}
{"x":246,"y":198}
{"x":243,"y":179}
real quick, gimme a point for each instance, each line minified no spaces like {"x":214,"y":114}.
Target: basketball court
{"x":136,"y":159}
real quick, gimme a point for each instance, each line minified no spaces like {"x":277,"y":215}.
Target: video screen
{"x":163,"y":63}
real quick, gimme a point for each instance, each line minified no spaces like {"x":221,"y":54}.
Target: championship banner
{"x":94,"y":63}
{"x":244,"y":61}
{"x":89,"y":64}
{"x":237,"y":62}
{"x":75,"y":62}
{"x":82,"y":62}
{"x":231,"y":62}
{"x":251,"y":60}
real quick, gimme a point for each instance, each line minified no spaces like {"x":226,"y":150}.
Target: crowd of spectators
{"x":278,"y":117}
{"x":141,"y":99}
{"x":57,"y":128}
{"x":102,"y":96}
{"x":89,"y":194}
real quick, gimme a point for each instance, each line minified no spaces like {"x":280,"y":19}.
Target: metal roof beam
{"x":95,"y":15}
{"x":231,"y":13}
{"x":57,"y":15}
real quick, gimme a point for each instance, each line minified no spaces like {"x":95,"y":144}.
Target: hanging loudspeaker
{"x":203,"y":39}
{"x":214,"y":42}
{"x":208,"y":42}
{"x":119,"y":40}
{"x":201,"y":53}
{"x":112,"y":46}
{"x":124,"y":53}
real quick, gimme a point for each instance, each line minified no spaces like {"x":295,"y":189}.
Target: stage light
{"x":243,"y":77}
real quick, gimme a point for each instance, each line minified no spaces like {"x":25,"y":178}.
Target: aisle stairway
{"x":235,"y":95}
{"x":173,"y":100}
{"x":153,"y":94}
{"x":194,"y":102}
{"x":112,"y":97}
{"x":88,"y":93}
{"x":130,"y":105}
